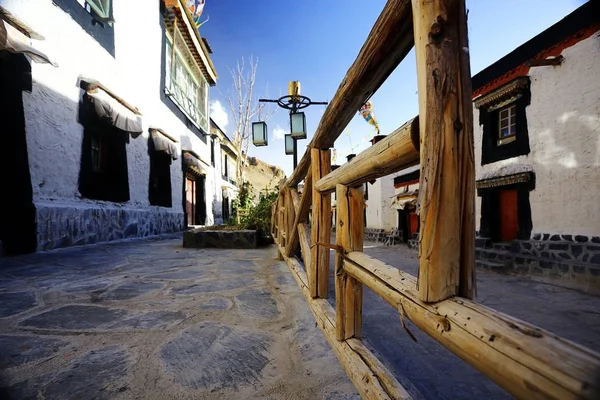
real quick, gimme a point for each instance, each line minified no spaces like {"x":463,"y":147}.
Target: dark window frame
{"x":111,"y":181}
{"x":159,"y":184}
{"x":492,"y":150}
{"x":212,"y":151}
{"x":102,"y":32}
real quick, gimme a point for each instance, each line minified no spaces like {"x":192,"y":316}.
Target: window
{"x":212,"y":151}
{"x":187,"y":89}
{"x":159,"y":192}
{"x":97,"y":153}
{"x":503,"y":116}
{"x":225,"y":167}
{"x":95,"y":17}
{"x":100,"y":9}
{"x":103,"y":174}
{"x":507,"y":124}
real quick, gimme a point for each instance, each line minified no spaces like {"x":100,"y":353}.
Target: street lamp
{"x":260,"y":137}
{"x":289,"y":144}
{"x":293,"y":102}
{"x":298,"y":124}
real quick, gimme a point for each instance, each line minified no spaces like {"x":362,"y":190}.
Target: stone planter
{"x":202,"y":238}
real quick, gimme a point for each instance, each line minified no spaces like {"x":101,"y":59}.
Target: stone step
{"x":501,"y":246}
{"x":492,"y":254}
{"x":490,"y":265}
{"x":482,"y":242}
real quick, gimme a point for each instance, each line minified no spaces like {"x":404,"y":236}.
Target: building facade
{"x":224,"y":159}
{"x":113,"y":140}
{"x":537,"y":152}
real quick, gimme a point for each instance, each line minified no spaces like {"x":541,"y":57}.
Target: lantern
{"x":298,"y":123}
{"x":260,"y":137}
{"x":289,"y":144}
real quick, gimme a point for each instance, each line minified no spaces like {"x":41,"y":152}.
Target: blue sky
{"x":316,"y":41}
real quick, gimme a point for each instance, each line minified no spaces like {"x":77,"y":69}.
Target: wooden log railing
{"x":528,"y":362}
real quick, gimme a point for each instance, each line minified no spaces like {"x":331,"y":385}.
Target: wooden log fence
{"x":527,"y":361}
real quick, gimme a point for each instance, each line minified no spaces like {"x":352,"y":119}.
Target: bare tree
{"x":244,"y":107}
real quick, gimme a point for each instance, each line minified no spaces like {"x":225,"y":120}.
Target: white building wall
{"x":563,"y":121}
{"x":54,"y":136}
{"x":380,"y":215}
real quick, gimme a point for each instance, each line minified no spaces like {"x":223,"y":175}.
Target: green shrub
{"x":259,"y":216}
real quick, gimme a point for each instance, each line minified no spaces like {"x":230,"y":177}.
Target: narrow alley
{"x":150,"y":319}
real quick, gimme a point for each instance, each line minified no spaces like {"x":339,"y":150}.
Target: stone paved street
{"x":149,"y":319}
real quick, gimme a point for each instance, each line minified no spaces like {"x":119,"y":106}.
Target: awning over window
{"x":13,"y":40}
{"x":504,"y":95}
{"x":507,"y":175}
{"x":404,"y":200}
{"x":193,"y":163}
{"x":109,"y":108}
{"x":163,"y":142}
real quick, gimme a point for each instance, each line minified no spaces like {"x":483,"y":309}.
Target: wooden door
{"x":190,"y":201}
{"x":509,"y":222}
{"x":413,"y":223}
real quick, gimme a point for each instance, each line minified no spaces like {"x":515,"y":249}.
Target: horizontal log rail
{"x":387,"y":45}
{"x":397,"y":151}
{"x":528,"y":362}
{"x":520,"y":357}
{"x":370,"y":376}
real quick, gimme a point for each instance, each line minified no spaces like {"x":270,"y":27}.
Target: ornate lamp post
{"x":293,"y":102}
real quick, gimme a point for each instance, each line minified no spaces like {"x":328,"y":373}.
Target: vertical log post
{"x":349,"y":236}
{"x":321,"y":226}
{"x":446,"y":237}
{"x":280,"y":227}
{"x":290,"y":213}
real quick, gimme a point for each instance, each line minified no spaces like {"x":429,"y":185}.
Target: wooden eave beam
{"x":555,"y":61}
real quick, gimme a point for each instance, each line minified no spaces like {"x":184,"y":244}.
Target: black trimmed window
{"x":95,"y":17}
{"x":212,"y":151}
{"x":160,"y":179}
{"x":185,"y":84}
{"x":502,"y":114}
{"x":507,"y":124}
{"x":104,"y":174}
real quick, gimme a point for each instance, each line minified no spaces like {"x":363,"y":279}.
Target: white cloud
{"x":219,"y":115}
{"x":279,"y":133}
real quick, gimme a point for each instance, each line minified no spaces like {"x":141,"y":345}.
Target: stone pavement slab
{"x":149,"y":319}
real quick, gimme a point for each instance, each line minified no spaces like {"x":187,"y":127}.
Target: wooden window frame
{"x":186,"y":86}
{"x":510,"y":116}
{"x":99,"y":9}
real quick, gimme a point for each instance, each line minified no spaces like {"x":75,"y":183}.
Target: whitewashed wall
{"x":380,"y":215}
{"x":564,"y":135}
{"x":53,"y":134}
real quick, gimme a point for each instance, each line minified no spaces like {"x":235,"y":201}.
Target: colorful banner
{"x":196,"y":7}
{"x":369,"y":115}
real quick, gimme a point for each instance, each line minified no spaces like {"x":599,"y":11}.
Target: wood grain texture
{"x":529,"y":362}
{"x":370,"y":377}
{"x":392,"y":154}
{"x":349,"y":236}
{"x":445,"y":160}
{"x":304,"y":238}
{"x":389,"y":41}
{"x":301,"y":214}
{"x":321,"y":226}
